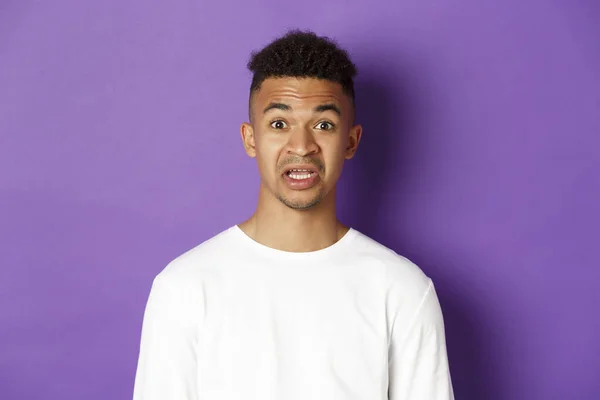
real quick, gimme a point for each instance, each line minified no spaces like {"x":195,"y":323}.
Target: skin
{"x":307,"y":131}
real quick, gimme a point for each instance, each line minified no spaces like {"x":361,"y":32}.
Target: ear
{"x":247,"y":132}
{"x":353,"y":140}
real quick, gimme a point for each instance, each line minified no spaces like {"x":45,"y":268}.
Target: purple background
{"x":119,"y":150}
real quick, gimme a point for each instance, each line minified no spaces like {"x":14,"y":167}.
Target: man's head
{"x":301,"y":117}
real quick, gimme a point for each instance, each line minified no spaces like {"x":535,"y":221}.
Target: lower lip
{"x":301,"y":184}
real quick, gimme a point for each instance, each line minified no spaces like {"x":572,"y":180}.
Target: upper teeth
{"x":293,"y":173}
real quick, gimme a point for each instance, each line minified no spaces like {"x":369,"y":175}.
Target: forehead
{"x":300,"y":92}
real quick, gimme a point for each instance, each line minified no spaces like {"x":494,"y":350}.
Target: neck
{"x":275,"y":225}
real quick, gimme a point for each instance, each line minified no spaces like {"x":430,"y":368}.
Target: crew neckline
{"x":328,"y":251}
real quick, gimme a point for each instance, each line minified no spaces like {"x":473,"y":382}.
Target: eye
{"x":325,"y":126}
{"x":278,"y":124}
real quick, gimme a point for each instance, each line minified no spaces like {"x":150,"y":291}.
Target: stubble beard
{"x":302,"y":205}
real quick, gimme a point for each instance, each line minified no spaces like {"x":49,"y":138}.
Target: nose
{"x":302,"y":142}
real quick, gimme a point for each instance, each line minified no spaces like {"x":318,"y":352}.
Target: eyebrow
{"x":277,"y":106}
{"x":320,"y":108}
{"x":329,"y":107}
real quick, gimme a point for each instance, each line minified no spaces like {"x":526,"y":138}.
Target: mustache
{"x":300,"y":160}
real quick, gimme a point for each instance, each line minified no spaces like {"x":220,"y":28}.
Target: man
{"x":291,"y":303}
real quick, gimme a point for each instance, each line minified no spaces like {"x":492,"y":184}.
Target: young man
{"x":291,"y":304}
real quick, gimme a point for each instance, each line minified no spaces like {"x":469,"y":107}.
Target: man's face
{"x":300,"y":133}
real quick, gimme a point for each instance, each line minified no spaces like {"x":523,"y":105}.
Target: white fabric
{"x":232,"y":319}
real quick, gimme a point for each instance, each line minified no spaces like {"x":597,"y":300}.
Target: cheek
{"x":267,"y":154}
{"x":336,"y":146}
{"x":334,"y":155}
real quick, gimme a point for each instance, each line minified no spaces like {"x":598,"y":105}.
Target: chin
{"x":300,"y":204}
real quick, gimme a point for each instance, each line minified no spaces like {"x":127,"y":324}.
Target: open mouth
{"x":300,"y":174}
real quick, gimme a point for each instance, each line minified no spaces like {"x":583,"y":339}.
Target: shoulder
{"x":186,"y":270}
{"x":405,"y":284}
{"x":178,"y":290}
{"x":398,"y":270}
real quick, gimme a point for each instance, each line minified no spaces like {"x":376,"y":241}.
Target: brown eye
{"x":324,"y":126}
{"x":279,"y":124}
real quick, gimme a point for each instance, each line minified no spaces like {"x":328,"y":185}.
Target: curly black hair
{"x":303,"y":54}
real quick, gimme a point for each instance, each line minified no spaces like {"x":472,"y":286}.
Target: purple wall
{"x":119,"y":150}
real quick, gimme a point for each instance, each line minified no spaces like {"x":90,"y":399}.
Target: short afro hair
{"x":303,"y":54}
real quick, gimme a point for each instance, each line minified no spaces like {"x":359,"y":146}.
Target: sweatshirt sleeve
{"x":167,"y":355}
{"x":418,"y":362}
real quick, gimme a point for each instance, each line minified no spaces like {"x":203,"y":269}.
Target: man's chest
{"x":279,"y":334}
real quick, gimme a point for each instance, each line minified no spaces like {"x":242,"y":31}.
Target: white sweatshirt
{"x":232,"y":319}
